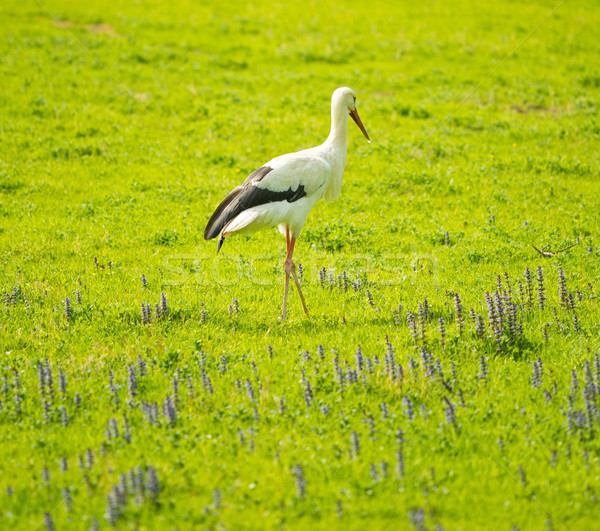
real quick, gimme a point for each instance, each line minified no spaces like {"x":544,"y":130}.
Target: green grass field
{"x":122,"y":127}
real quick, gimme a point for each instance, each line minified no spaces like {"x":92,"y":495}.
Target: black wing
{"x":247,"y":196}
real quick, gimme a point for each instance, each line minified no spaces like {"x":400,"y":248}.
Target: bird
{"x":284,"y":190}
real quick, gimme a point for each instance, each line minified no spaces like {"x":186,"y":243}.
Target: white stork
{"x":283,"y":191}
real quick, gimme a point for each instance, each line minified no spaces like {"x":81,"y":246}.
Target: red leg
{"x":290,"y":269}
{"x":287,"y":274}
{"x":297,"y":281}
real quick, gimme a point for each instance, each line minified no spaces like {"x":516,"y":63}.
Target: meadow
{"x":449,"y":375}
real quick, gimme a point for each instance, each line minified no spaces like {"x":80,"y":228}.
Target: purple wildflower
{"x":442,"y":328}
{"x":483,"y":368}
{"x":400,"y":454}
{"x":563,"y":296}
{"x":360,"y":360}
{"x":48,"y":522}
{"x":298,"y":474}
{"x":458,"y":309}
{"x":68,"y":308}
{"x":412,"y":324}
{"x":355,"y":450}
{"x":541,"y":288}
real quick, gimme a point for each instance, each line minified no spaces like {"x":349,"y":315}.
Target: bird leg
{"x":287,"y":273}
{"x":290,"y":269}
{"x":295,"y":277}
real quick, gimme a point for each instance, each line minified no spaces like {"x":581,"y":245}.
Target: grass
{"x":123,"y":127}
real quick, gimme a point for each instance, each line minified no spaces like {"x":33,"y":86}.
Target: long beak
{"x":358,"y":121}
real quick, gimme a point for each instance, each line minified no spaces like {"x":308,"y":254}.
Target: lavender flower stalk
{"x":458,"y":308}
{"x":541,"y":288}
{"x":298,"y":474}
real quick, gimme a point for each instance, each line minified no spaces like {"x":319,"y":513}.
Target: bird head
{"x":347,"y":98}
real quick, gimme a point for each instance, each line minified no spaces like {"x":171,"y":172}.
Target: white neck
{"x":339,"y":125}
{"x":335,"y":146}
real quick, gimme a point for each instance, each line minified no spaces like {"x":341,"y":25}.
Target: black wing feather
{"x":247,"y":196}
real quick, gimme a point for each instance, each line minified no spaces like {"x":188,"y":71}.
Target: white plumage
{"x":283,"y":191}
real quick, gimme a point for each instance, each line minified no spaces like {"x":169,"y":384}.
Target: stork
{"x":283,"y":191}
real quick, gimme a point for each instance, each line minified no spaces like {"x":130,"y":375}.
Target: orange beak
{"x":358,"y":121}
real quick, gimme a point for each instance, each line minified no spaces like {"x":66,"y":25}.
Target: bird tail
{"x":221,"y":216}
{"x":236,"y":224}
